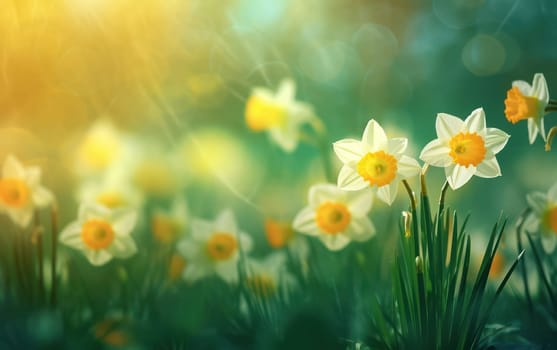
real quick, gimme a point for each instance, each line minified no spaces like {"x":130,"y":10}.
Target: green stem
{"x":54,"y":257}
{"x":442,"y":197}
{"x":550,"y":136}
{"x":519,"y":226}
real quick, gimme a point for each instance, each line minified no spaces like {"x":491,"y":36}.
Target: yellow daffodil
{"x":543,"y":217}
{"x":21,"y":191}
{"x":110,"y":191}
{"x":375,"y":161}
{"x":214,"y":248}
{"x":279,"y":114}
{"x":335,"y":216}
{"x":528,"y":102}
{"x":268,"y":277}
{"x":168,"y":225}
{"x":101,"y":233}
{"x":465,"y":148}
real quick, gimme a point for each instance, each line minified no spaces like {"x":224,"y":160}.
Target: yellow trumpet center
{"x":261,"y":285}
{"x":97,"y":234}
{"x":467,"y":149}
{"x":332,"y":217}
{"x":165,"y":228}
{"x":519,"y":107}
{"x":278,"y":233}
{"x":221,"y":246}
{"x":550,"y":219}
{"x":377,"y":168}
{"x":14,"y":193}
{"x":262,"y":114}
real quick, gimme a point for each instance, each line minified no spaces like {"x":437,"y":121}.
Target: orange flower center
{"x":378,"y":168}
{"x":278,"y":233}
{"x":165,"y":229}
{"x":14,"y":193}
{"x":221,"y":246}
{"x":519,"y":107}
{"x":176,"y":266}
{"x":261,"y":285}
{"x":262,"y":115}
{"x":332,"y":217}
{"x":497,"y":265}
{"x":467,"y":149}
{"x":550,"y":219}
{"x":97,"y":234}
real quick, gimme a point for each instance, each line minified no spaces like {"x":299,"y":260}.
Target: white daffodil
{"x":335,"y":216}
{"x":525,"y":101}
{"x":543,"y":217}
{"x":375,"y":161}
{"x":268,"y":277}
{"x":279,"y":114}
{"x":465,"y":148}
{"x":168,"y":225}
{"x":214,"y":248}
{"x":102,"y":233}
{"x":21,"y":191}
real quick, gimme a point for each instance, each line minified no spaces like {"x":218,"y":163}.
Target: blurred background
{"x":177,"y":74}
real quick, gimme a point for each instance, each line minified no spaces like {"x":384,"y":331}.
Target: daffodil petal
{"x":549,"y":241}
{"x":348,"y":150}
{"x":447,"y":126}
{"x":286,"y":91}
{"x":71,"y":235}
{"x":334,"y":242}
{"x":12,"y":168}
{"x":188,"y":249}
{"x":374,"y":136}
{"x":228,"y":271}
{"x":436,"y":153}
{"x":475,"y":122}
{"x":361,"y":229}
{"x":20,"y":216}
{"x":305,"y":222}
{"x":42,"y":197}
{"x":552,"y":194}
{"x":531,"y":223}
{"x":98,"y":257}
{"x":488,"y":168}
{"x":350,"y":180}
{"x":124,"y":222}
{"x":359,"y":202}
{"x":539,"y":88}
{"x":459,"y":175}
{"x":532,"y":130}
{"x":388,"y":192}
{"x":524,"y":87}
{"x":286,"y":137}
{"x":541,"y":128}
{"x":397,"y":145}
{"x":408,"y":167}
{"x":123,"y":247}
{"x":201,"y":229}
{"x":495,"y":139}
{"x":537,"y":201}
{"x":226,"y":222}
{"x":323,"y":192}
{"x":245,"y":241}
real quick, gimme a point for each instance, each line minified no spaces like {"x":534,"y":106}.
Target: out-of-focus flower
{"x":279,"y":114}
{"x":528,"y":102}
{"x":168,"y":225}
{"x":214,"y":248}
{"x":465,"y":148}
{"x":375,"y":161}
{"x":282,"y":235}
{"x":110,"y":191}
{"x":111,"y":331}
{"x":157,"y":176}
{"x":21,"y":191}
{"x":335,"y":216}
{"x":543,"y":218}
{"x":102,"y":147}
{"x":176,"y":267}
{"x":268,"y":277}
{"x":102,"y":233}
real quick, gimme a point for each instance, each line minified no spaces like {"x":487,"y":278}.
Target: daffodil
{"x":102,"y":233}
{"x":336,"y":217}
{"x":465,"y":148}
{"x":281,"y":234}
{"x":374,"y":161}
{"x":279,"y":114}
{"x":528,"y":102}
{"x":543,"y":217}
{"x":268,"y":277}
{"x":111,"y":191}
{"x":214,"y":248}
{"x":21,"y":191}
{"x":168,"y":225}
